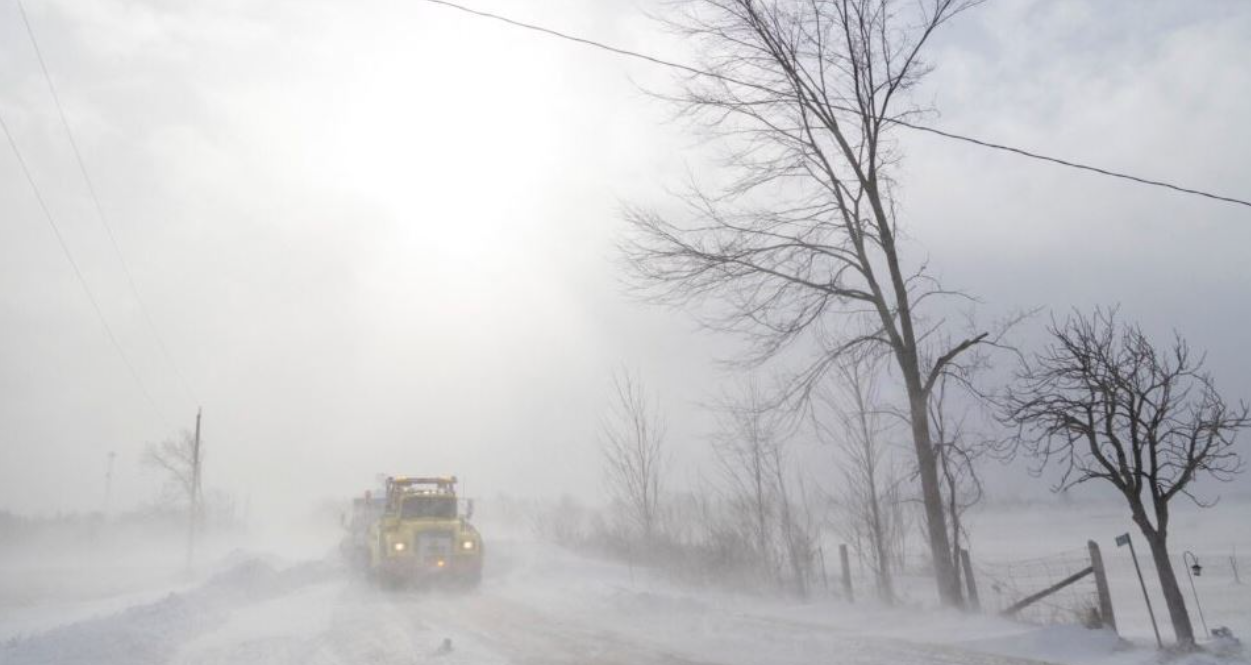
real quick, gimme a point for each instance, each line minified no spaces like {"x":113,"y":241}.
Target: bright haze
{"x":379,"y":236}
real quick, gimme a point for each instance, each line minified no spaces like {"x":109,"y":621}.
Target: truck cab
{"x":423,"y":533}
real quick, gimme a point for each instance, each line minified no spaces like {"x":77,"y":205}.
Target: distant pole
{"x":844,"y":560}
{"x":194,"y":508}
{"x":1124,"y":539}
{"x":108,"y":485}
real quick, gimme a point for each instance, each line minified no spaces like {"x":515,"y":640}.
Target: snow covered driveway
{"x":315,"y":613}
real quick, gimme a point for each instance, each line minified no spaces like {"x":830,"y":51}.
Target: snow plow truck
{"x":418,"y":533}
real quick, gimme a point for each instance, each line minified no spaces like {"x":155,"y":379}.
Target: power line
{"x":95,"y":199}
{"x":95,"y":304}
{"x":580,"y":40}
{"x":921,"y":128}
{"x":1074,"y":165}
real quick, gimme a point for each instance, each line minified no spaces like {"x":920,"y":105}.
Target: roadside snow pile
{"x":150,"y":633}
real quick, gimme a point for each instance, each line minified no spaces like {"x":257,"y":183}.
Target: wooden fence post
{"x":847,"y":591}
{"x":1101,"y":584}
{"x":825,"y":578}
{"x":975,"y":602}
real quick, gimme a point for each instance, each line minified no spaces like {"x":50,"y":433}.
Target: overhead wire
{"x":1029,"y":154}
{"x":82,"y":280}
{"x":99,"y":209}
{"x":479,"y":13}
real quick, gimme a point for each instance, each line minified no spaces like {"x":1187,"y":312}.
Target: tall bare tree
{"x":750,"y":446}
{"x":959,"y":451}
{"x":1104,"y":404}
{"x":803,"y":242}
{"x":796,"y":523}
{"x":179,"y":460}
{"x":632,"y":440}
{"x":747,"y":434}
{"x":871,"y":483}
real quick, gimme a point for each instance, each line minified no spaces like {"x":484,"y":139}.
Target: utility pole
{"x":194,"y":507}
{"x":108,"y":485}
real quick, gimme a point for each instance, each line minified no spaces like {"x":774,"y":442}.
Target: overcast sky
{"x":377,"y":236}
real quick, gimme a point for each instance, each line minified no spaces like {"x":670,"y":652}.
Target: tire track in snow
{"x":343,"y":622}
{"x":316,"y":615}
{"x":530,"y":637}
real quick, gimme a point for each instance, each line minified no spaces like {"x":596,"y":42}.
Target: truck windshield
{"x":429,"y":507}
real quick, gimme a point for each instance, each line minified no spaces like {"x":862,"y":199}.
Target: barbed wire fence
{"x":1060,"y":588}
{"x":1066,"y":587}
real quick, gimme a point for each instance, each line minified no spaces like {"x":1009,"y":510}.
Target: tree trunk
{"x":953,"y":511}
{"x":798,"y":568}
{"x":762,"y":508}
{"x":931,"y":495}
{"x":885,"y":591}
{"x":1172,"y":590}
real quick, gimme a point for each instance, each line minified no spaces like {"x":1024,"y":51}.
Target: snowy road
{"x":316,"y":613}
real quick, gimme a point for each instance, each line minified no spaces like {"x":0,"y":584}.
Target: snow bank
{"x":151,"y":632}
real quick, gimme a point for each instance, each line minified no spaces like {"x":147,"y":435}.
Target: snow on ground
{"x":731,"y":628}
{"x":1214,"y":535}
{"x":543,"y":604}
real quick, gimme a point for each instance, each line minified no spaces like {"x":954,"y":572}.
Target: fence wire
{"x":1003,"y":584}
{"x":1230,"y":568}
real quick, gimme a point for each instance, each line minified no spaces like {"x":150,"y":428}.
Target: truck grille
{"x":434,"y":545}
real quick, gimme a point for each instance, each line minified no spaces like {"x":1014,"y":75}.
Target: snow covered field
{"x":1213,"y":535}
{"x":543,"y":604}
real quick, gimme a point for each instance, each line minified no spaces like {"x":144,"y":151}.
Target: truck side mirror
{"x":469,"y":509}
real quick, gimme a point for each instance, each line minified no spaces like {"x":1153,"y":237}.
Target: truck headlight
{"x":467,"y":545}
{"x":399,"y":547}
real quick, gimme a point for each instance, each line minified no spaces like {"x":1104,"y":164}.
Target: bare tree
{"x":632,"y":441}
{"x":795,"y":520}
{"x":1105,"y":404}
{"x":744,"y":444}
{"x":803,"y":242}
{"x":750,"y":447}
{"x":871,"y":484}
{"x":181,"y":459}
{"x":959,"y":451}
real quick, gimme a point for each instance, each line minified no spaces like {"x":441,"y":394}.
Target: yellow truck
{"x":421,"y":534}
